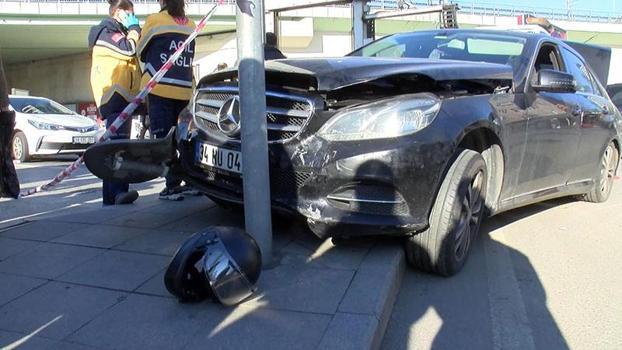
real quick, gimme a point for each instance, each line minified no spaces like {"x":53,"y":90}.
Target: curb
{"x":364,"y":312}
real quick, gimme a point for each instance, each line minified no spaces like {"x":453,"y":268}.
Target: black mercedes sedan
{"x":420,"y":135}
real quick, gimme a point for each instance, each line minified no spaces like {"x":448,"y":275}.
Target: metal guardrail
{"x":467,"y":7}
{"x":575,"y":14}
{"x":105,"y":1}
{"x":496,"y":10}
{"x":85,"y":7}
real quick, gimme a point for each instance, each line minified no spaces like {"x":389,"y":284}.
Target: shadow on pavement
{"x":496,"y":302}
{"x":81,"y":190}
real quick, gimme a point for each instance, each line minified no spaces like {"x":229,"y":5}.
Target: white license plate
{"x":83,"y":140}
{"x":220,"y":158}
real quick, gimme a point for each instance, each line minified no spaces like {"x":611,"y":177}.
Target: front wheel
{"x":19,"y":147}
{"x":608,"y":165}
{"x":455,"y":218}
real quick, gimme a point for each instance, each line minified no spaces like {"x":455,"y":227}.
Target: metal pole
{"x":276,"y":25}
{"x":253,"y":122}
{"x":358,"y":24}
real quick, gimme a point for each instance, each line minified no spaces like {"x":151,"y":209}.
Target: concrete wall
{"x":64,"y":79}
{"x":615,"y":71}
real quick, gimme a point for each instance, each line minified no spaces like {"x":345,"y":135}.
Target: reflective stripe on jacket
{"x":162,"y":35}
{"x":115,"y":76}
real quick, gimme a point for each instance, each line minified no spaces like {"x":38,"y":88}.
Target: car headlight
{"x":387,"y":118}
{"x":45,"y":126}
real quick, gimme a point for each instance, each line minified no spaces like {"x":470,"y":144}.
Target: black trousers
{"x":110,"y":189}
{"x":9,"y":185}
{"x":163,"y":113}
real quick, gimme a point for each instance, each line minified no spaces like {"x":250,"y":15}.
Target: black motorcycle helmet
{"x":223,"y":263}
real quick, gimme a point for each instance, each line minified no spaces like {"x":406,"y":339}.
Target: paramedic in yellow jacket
{"x":162,"y":34}
{"x":115,"y":78}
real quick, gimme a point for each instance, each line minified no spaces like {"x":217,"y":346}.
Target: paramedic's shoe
{"x":172,"y":194}
{"x":188,"y":190}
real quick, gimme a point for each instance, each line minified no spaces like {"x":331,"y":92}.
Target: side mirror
{"x":555,"y":81}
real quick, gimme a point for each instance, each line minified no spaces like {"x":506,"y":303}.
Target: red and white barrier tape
{"x":127,"y":112}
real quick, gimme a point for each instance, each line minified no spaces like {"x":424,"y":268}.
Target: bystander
{"x":9,"y":185}
{"x":271,"y":50}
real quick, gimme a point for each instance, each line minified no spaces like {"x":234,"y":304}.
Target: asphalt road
{"x":547,"y":276}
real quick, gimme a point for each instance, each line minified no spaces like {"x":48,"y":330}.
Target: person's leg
{"x":116,"y":192}
{"x":176,"y":106}
{"x":9,"y":184}
{"x":162,"y":117}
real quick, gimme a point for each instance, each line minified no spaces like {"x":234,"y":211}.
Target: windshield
{"x":31,"y":105}
{"x":463,"y":46}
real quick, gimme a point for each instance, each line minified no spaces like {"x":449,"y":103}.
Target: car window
{"x":596,"y":87}
{"x":449,"y":45}
{"x":615,"y":92}
{"x":392,"y":51}
{"x":548,"y":58}
{"x":576,"y":67}
{"x":494,"y":47}
{"x":32,"y":105}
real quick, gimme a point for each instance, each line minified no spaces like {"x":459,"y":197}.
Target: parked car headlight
{"x":45,"y":126}
{"x":387,"y":118}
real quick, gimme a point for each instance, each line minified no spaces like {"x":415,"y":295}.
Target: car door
{"x":552,"y":130}
{"x":597,"y":118}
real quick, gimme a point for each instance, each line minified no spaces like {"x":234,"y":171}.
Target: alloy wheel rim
{"x":17,"y":148}
{"x":607,"y":170}
{"x":471,"y":211}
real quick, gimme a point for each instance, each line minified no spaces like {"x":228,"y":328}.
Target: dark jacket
{"x":162,"y":35}
{"x":115,"y":77}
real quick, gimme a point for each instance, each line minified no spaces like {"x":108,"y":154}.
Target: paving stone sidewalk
{"x":94,"y":280}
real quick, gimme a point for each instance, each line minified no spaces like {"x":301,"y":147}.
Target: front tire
{"x":19,"y":147}
{"x":455,"y":218}
{"x":608,"y":165}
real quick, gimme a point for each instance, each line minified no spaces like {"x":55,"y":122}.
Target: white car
{"x":45,"y":127}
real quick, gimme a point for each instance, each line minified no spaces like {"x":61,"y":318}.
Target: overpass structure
{"x":44,"y":41}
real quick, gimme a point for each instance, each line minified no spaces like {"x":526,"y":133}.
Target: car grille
{"x":286,"y":114}
{"x":284,"y":182}
{"x":80,"y":129}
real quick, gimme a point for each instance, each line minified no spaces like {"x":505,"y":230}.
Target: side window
{"x":597,"y":89}
{"x":577,"y":68}
{"x":547,"y":58}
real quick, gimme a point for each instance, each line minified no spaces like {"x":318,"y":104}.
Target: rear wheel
{"x":19,"y":147}
{"x":608,"y":165}
{"x":455,"y":218}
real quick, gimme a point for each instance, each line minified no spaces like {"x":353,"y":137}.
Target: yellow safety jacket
{"x":115,"y":77}
{"x":162,"y":35}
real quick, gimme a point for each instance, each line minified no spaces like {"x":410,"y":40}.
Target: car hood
{"x":73,"y":121}
{"x":335,"y":73}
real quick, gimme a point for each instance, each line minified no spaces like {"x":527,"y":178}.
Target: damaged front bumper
{"x":376,"y":187}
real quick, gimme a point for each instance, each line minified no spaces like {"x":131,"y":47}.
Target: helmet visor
{"x":228,"y":282}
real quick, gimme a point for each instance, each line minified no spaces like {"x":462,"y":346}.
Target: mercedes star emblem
{"x":229,"y":117}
